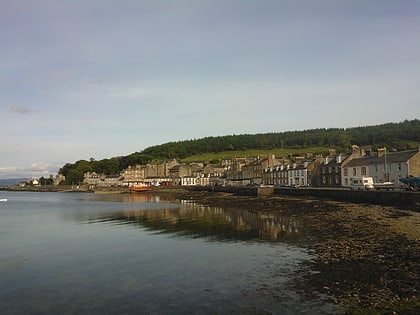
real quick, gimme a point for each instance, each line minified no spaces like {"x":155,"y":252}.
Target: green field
{"x":233,"y":154}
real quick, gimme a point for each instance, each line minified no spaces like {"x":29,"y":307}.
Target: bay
{"x":80,"y":253}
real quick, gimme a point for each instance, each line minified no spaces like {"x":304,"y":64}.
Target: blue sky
{"x":103,"y":78}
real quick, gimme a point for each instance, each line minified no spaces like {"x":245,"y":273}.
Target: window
{"x":346,"y":172}
{"x":363,"y":170}
{"x":354,"y":171}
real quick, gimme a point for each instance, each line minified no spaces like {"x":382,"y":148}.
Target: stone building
{"x":249,"y":170}
{"x":299,"y":173}
{"x":330,"y":170}
{"x":152,"y":173}
{"x":93,"y":179}
{"x":159,"y":169}
{"x":276,"y":175}
{"x":134,"y":174}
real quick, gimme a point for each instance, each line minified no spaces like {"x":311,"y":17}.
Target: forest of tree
{"x":400,"y":136}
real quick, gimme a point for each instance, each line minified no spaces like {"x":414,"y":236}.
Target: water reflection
{"x":111,"y":254}
{"x":128,"y":254}
{"x":133,"y":198}
{"x":215,"y":224}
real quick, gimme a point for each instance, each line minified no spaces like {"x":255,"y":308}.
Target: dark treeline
{"x":399,"y":136}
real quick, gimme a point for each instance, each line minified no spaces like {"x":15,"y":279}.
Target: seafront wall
{"x":387,"y":198}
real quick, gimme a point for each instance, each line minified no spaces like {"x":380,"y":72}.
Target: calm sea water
{"x":141,"y":254}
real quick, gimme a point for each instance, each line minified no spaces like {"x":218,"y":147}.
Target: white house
{"x":298,"y":175}
{"x":394,"y":165}
{"x":203,"y":180}
{"x":189,"y":181}
{"x":385,"y":167}
{"x":355,"y":168}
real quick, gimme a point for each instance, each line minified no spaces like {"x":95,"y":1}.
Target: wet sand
{"x":366,"y":257}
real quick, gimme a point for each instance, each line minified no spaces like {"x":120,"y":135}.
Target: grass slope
{"x":206,"y":157}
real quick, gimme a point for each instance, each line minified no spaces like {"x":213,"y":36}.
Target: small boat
{"x":412,"y":183}
{"x":141,"y":188}
{"x":3,"y":199}
{"x":385,"y":186}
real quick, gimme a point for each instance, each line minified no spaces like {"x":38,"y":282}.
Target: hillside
{"x":399,"y":136}
{"x":217,"y":156}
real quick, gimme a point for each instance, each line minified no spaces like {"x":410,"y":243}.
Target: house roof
{"x":331,"y":163}
{"x":392,"y":157}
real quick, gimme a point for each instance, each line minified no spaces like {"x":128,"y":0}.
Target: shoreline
{"x":366,"y":257}
{"x":397,"y":198}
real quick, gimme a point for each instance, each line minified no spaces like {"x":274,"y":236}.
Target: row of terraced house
{"x":334,"y":170}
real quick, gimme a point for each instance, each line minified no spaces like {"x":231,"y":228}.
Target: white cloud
{"x":34,"y":170}
{"x":7,"y":169}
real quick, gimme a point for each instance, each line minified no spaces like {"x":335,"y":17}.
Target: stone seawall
{"x":386,"y":198}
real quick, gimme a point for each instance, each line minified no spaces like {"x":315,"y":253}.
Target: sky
{"x":83,"y":79}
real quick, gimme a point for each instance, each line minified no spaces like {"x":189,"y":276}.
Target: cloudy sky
{"x":84,"y":79}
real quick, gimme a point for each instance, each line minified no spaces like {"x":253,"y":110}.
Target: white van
{"x":362,"y":183}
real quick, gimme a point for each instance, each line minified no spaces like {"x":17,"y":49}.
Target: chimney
{"x":355,"y":150}
{"x":270,"y":158}
{"x":381,"y":151}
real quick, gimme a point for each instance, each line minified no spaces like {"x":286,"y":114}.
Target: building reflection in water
{"x":146,"y":197}
{"x":218,"y":224}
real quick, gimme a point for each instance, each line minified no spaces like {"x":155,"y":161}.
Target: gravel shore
{"x":366,"y":257}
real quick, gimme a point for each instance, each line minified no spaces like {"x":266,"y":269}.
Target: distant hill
{"x":399,"y":136}
{"x":11,"y":181}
